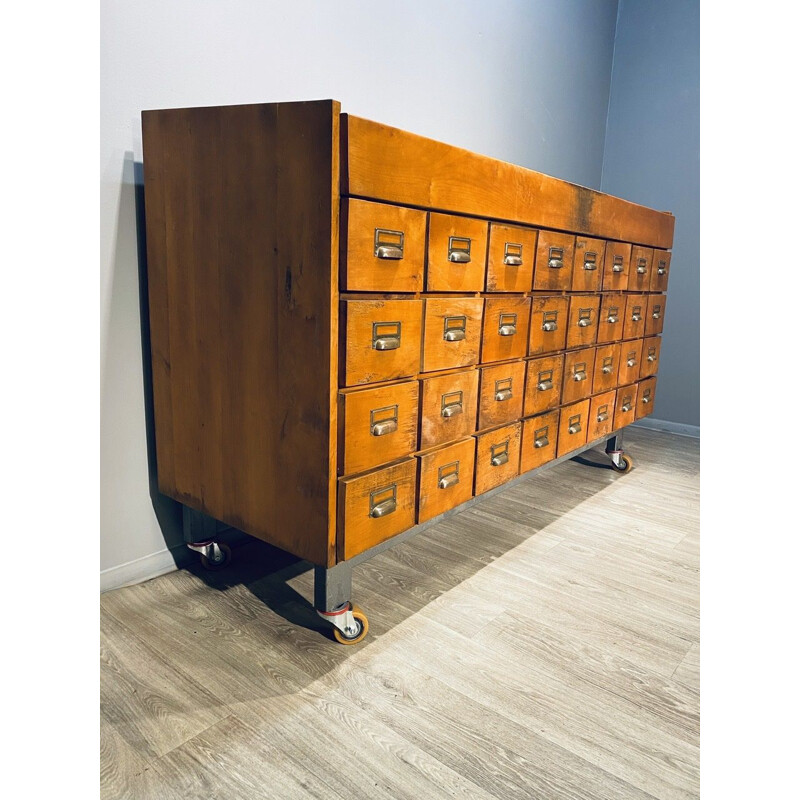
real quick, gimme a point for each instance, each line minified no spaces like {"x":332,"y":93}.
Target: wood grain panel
{"x":539,"y":440}
{"x":659,"y":278}
{"x":512,"y":252}
{"x":612,"y":318}
{"x":601,"y":415}
{"x":617,"y":266}
{"x":640,"y":272}
{"x":573,"y":427}
{"x":555,"y":253}
{"x":625,"y":406}
{"x":548,"y":327}
{"x":451,"y":238}
{"x":606,"y":367}
{"x":442,"y":397}
{"x":587,"y":268}
{"x":645,"y":397}
{"x":390,"y":164}
{"x":656,"y":306}
{"x":651,"y":353}
{"x":630,"y":362}
{"x":584,"y":311}
{"x":635,"y":316}
{"x":501,"y":393}
{"x":505,"y":328}
{"x":578,"y":375}
{"x":452,"y":333}
{"x":497,"y":457}
{"x":543,"y":380}
{"x":446,"y":478}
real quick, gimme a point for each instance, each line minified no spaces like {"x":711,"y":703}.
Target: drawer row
{"x":390,"y":339}
{"x":389,"y":422}
{"x":388,"y":248}
{"x":385,"y":502}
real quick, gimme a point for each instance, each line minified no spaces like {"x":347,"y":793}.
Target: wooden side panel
{"x":242,"y":239}
{"x":389,"y":164}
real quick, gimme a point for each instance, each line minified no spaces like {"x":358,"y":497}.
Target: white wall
{"x":525,"y":81}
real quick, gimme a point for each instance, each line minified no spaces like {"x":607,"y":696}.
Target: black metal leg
{"x":197,"y":527}
{"x":614,"y":444}
{"x":332,"y":586}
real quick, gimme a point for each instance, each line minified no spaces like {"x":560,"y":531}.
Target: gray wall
{"x":523,"y":81}
{"x":652,"y":156}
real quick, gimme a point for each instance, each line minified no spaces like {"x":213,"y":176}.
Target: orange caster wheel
{"x":350,"y":624}
{"x":625,"y":464}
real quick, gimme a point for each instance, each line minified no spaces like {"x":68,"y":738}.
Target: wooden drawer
{"x":382,"y":340}
{"x":446,"y":477}
{"x":606,"y":367}
{"x":656,"y":304}
{"x":383,"y":249}
{"x":376,"y":506}
{"x":630,"y":362}
{"x":501,"y":394}
{"x":640,"y":269}
{"x":512,"y":252}
{"x":456,"y":254}
{"x":505,"y":328}
{"x":380,"y":425}
{"x":543,"y":380}
{"x":635,"y":315}
{"x":578,"y":375}
{"x":452,"y":332}
{"x":548,"y":327}
{"x":625,"y":406}
{"x":645,"y":397}
{"x":601,"y":415}
{"x":449,"y":408}
{"x":554,"y":258}
{"x":616,"y":267}
{"x":587,"y":268}
{"x":584,"y":311}
{"x":573,"y":427}
{"x":539,"y":440}
{"x":497,"y":457}
{"x":651,"y":353}
{"x":611,"y":319}
{"x":659,"y":276}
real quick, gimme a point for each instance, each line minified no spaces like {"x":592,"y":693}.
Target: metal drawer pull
{"x":508,"y":324}
{"x":550,"y":321}
{"x":382,"y":507}
{"x":626,"y":404}
{"x":608,"y":365}
{"x":651,"y":354}
{"x":631,"y":362}
{"x":637,"y":314}
{"x":545,"y":385}
{"x":455,"y":329}
{"x":579,"y":372}
{"x":383,"y":420}
{"x":389,"y":244}
{"x":613,"y":315}
{"x":458,"y":249}
{"x":448,"y":475}
{"x":386,"y":335}
{"x":590,"y":261}
{"x":513,"y":255}
{"x":501,"y":395}
{"x":556,"y":258}
{"x":500,"y":454}
{"x":602,"y":413}
{"x":584,"y":317}
{"x":540,"y":438}
{"x":646,"y":398}
{"x":452,"y":404}
{"x":657,"y":312}
{"x":642,"y":266}
{"x":382,"y":428}
{"x":662,"y":267}
{"x":618,"y":267}
{"x":575,"y":424}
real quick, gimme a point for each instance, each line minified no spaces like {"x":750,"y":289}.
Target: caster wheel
{"x":222,"y":562}
{"x":362,"y":628}
{"x":626,"y":464}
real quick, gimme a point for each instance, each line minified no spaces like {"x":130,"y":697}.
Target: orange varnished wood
{"x":630,"y":362}
{"x":507,"y":243}
{"x":445,"y":316}
{"x":446,"y":478}
{"x":573,"y":427}
{"x":552,"y":250}
{"x":587,"y":269}
{"x":501,"y":392}
{"x":380,"y":425}
{"x":645,"y":397}
{"x":606,"y":367}
{"x":441,"y":397}
{"x":625,"y":406}
{"x":543,"y":380}
{"x":505,"y":315}
{"x":548,"y":311}
{"x":612,"y":318}
{"x":656,"y":306}
{"x":539,"y":440}
{"x":493,"y":445}
{"x":651,"y":353}
{"x":617,"y":266}
{"x":362,"y":269}
{"x":601,"y":415}
{"x":444,"y":275}
{"x":635,"y":316}
{"x":390,"y":164}
{"x":578,"y":375}
{"x":661,"y":263}
{"x":367,"y":319}
{"x":584,"y":312}
{"x":640,"y":271}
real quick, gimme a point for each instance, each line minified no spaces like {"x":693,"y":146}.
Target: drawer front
{"x":584,"y":312}
{"x":656,"y":304}
{"x":376,"y":506}
{"x":587,"y":268}
{"x":501,"y":394}
{"x":452,"y":332}
{"x":625,"y":406}
{"x":505,"y":328}
{"x":543,"y":380}
{"x":539,"y":440}
{"x":616,"y":267}
{"x":630,"y":362}
{"x":660,"y":273}
{"x":456,"y":254}
{"x":578,"y":375}
{"x":383,"y":248}
{"x":497,"y":457}
{"x":512,"y":252}
{"x":380,"y":425}
{"x":383,"y":340}
{"x":641,"y":269}
{"x":573,"y":427}
{"x":645,"y":397}
{"x":449,"y":408}
{"x":554,"y":258}
{"x":635,"y":316}
{"x":606,"y":367}
{"x":446,"y":478}
{"x":611,"y":320}
{"x":548,"y":326}
{"x":651,"y":352}
{"x":601,"y":415}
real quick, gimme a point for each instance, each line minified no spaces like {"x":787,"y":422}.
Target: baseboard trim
{"x":142,"y":569}
{"x":670,"y":427}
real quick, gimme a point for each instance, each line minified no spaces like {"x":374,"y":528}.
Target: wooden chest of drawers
{"x":355,"y":329}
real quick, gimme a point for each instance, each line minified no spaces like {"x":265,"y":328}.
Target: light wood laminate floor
{"x":542,"y":644}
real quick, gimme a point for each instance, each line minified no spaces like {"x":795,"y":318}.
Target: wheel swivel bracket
{"x":342,"y":618}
